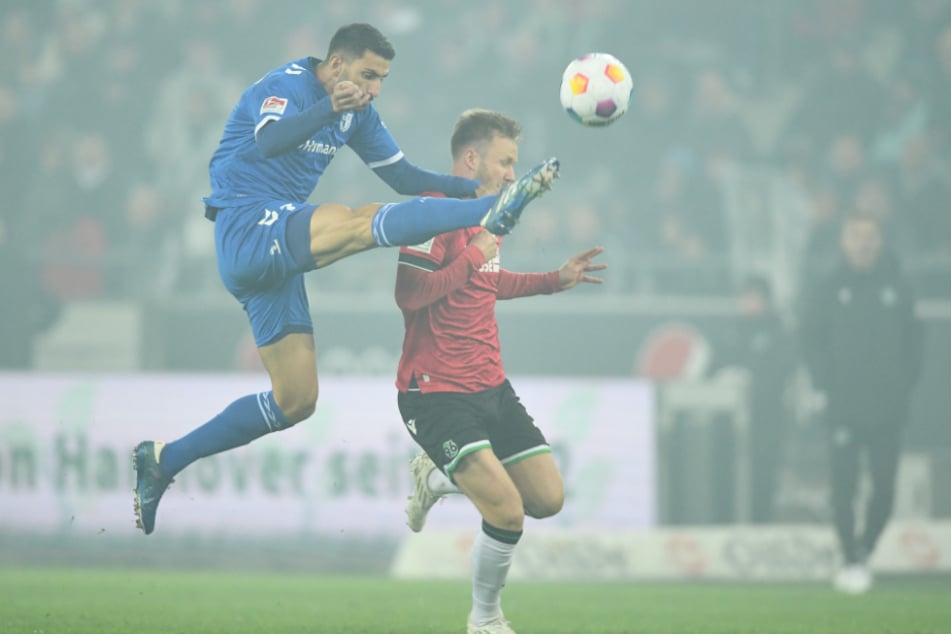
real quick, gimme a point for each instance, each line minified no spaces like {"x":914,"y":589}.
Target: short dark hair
{"x":482,"y":125}
{"x":353,"y":40}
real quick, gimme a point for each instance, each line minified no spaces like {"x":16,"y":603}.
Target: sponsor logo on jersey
{"x":491,"y":266}
{"x":317,"y":147}
{"x":345,"y":121}
{"x":273,"y":105}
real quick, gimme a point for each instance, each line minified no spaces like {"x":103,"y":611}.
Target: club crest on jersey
{"x":345,"y":120}
{"x":273,"y":105}
{"x":450,"y":448}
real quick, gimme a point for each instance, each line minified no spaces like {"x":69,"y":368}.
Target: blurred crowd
{"x":754,"y":127}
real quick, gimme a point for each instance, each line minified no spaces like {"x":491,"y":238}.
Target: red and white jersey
{"x":447,"y":292}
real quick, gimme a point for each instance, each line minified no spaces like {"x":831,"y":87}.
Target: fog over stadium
{"x":754,"y":399}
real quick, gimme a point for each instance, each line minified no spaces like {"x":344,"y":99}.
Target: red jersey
{"x":447,"y":292}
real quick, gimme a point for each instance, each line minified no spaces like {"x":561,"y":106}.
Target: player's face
{"x":861,"y":243}
{"x":497,"y":163}
{"x":366,"y":72}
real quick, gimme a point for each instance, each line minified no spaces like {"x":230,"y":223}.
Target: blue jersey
{"x":241,"y":174}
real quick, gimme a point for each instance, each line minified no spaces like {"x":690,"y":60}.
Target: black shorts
{"x":451,"y":425}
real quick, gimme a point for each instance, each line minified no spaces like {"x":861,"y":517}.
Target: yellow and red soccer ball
{"x":596,"y":89}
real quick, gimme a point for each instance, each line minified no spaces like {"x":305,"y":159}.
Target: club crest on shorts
{"x":450,"y":448}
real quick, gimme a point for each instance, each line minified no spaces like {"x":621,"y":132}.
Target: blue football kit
{"x":277,"y":142}
{"x":258,"y":202}
{"x":240,"y":174}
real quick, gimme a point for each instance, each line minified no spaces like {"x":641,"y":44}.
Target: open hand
{"x":576,"y":269}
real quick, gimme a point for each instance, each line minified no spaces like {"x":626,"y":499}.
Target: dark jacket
{"x":763,"y":346}
{"x":862,"y":343}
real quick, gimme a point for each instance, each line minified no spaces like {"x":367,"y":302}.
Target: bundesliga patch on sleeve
{"x":273,"y":105}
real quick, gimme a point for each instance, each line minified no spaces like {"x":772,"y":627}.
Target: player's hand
{"x":348,"y":96}
{"x":576,"y":269}
{"x":487,"y":242}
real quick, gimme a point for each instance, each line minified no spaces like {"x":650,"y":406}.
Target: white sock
{"x":440,"y":484}
{"x":491,"y":560}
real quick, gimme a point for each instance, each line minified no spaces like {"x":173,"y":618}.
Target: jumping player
{"x":277,"y":142}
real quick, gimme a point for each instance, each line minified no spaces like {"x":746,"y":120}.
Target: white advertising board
{"x":725,"y":553}
{"x":66,"y":440}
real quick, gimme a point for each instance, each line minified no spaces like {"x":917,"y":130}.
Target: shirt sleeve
{"x":373,"y":143}
{"x":418,"y":286}
{"x":272,"y":99}
{"x":512,"y":285}
{"x":914,"y":336}
{"x":410,"y":180}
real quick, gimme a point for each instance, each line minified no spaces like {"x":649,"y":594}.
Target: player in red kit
{"x":454,"y":398}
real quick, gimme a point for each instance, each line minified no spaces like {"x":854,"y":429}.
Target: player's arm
{"x":573,"y":272}
{"x":419,"y":282}
{"x":914,"y":335}
{"x":376,"y":147}
{"x":420,"y":278}
{"x":512,"y":285}
{"x":410,"y":180}
{"x":276,"y":135}
{"x":282,"y":126}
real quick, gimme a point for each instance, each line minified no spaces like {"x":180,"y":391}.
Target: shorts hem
{"x":287,"y":330}
{"x":522,"y":455}
{"x":451,"y":466}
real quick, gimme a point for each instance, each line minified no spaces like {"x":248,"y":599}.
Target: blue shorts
{"x":256,"y":246}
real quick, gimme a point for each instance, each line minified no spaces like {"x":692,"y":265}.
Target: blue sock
{"x":246,"y":419}
{"x":419,"y":219}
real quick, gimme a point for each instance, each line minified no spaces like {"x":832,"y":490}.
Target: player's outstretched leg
{"x":150,"y":483}
{"x":505,"y":212}
{"x":419,"y":219}
{"x":423,"y":498}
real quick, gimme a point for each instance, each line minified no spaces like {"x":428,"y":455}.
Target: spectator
{"x":148,"y":77}
{"x":763,"y":348}
{"x":30,"y":307}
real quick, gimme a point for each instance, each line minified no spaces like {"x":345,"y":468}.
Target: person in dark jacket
{"x":764,"y":348}
{"x":33,"y":309}
{"x":862,"y":345}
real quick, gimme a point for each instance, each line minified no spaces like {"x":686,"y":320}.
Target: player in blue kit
{"x":278,"y":140}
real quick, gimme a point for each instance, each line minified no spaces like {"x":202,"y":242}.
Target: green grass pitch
{"x":38,"y":600}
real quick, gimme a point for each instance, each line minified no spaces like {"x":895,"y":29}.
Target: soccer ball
{"x":596,"y":89}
